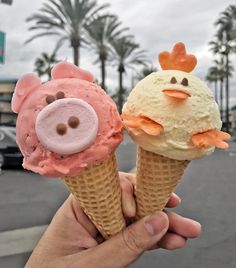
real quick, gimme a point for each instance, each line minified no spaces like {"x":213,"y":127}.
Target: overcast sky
{"x":157,"y":25}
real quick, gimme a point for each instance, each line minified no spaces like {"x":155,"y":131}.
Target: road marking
{"x":20,"y":241}
{"x":232,"y":154}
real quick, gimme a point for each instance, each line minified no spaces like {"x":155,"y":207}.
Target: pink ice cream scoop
{"x":66,"y":124}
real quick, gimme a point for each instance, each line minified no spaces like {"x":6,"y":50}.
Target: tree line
{"x":223,"y":46}
{"x":84,"y":23}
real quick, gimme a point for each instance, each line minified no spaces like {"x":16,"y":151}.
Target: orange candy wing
{"x":178,"y":59}
{"x":211,"y":138}
{"x":141,"y":122}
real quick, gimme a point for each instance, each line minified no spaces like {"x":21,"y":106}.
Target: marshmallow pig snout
{"x":67,"y":126}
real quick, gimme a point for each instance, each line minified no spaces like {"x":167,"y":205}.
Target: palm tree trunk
{"x":216,"y":91}
{"x":121,"y":91}
{"x":76,"y":55}
{"x":49,"y":76}
{"x":103,"y":73}
{"x":227,"y":92}
{"x":221,"y":98}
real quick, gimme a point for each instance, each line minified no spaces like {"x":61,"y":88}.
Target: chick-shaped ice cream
{"x":173,"y":117}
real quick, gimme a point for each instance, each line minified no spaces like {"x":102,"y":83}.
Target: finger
{"x":172,"y":241}
{"x":127,"y":198}
{"x":183,"y":226}
{"x":128,"y":176}
{"x":82,"y":218}
{"x":173,"y":201}
{"x":72,"y":211}
{"x":71,"y":234}
{"x":128,"y":245}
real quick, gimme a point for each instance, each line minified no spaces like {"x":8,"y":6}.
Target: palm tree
{"x":115,"y":94}
{"x":100,"y":33}
{"x":145,"y":72}
{"x":45,"y":62}
{"x":126,"y":54}
{"x":64,"y":19}
{"x":213,"y":77}
{"x":225,"y":34}
{"x":227,"y":22}
{"x":221,"y":76}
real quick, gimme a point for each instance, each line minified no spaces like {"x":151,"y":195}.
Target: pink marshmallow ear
{"x":68,"y":70}
{"x":24,"y":87}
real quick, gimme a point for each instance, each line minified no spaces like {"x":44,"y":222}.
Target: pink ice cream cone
{"x":69,"y":128}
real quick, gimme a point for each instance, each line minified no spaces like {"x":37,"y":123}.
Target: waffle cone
{"x":157,"y":176}
{"x":97,"y":189}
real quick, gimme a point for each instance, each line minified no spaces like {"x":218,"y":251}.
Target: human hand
{"x":71,"y":239}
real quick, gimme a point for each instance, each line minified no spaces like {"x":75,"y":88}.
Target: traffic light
{"x":8,"y":2}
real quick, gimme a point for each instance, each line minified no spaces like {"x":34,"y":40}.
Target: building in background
{"x":7,"y":117}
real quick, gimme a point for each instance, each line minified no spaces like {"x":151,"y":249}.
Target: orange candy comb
{"x":178,"y":59}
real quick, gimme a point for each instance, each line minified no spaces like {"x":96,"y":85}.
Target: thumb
{"x":128,"y":245}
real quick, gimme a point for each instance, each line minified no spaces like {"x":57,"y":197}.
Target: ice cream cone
{"x":157,"y":176}
{"x":97,"y":189}
{"x":173,"y":117}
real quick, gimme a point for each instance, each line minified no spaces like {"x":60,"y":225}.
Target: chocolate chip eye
{"x":73,"y":122}
{"x":60,"y":95}
{"x":184,"y":82}
{"x":173,"y":80}
{"x":50,"y":99}
{"x":61,"y":129}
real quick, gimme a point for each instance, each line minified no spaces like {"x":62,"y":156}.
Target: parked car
{"x":10,"y":154}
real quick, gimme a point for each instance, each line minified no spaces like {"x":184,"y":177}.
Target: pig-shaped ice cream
{"x":69,"y":128}
{"x":66,"y":124}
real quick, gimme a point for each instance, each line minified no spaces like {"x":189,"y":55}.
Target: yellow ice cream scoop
{"x":180,"y":103}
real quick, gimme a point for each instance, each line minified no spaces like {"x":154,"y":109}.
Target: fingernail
{"x":196,"y":223}
{"x":177,"y":197}
{"x":156,"y":223}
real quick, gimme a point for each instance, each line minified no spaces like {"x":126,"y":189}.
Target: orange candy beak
{"x":211,"y":138}
{"x":176,"y":93}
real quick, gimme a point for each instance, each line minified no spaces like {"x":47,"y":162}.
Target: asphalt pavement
{"x":208,"y":196}
{"x":28,"y":202}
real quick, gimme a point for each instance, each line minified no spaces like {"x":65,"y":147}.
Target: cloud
{"x":157,"y":25}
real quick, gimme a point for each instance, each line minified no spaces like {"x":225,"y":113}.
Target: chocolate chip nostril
{"x":50,"y":99}
{"x":61,"y":129}
{"x":60,"y":95}
{"x":73,"y":122}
